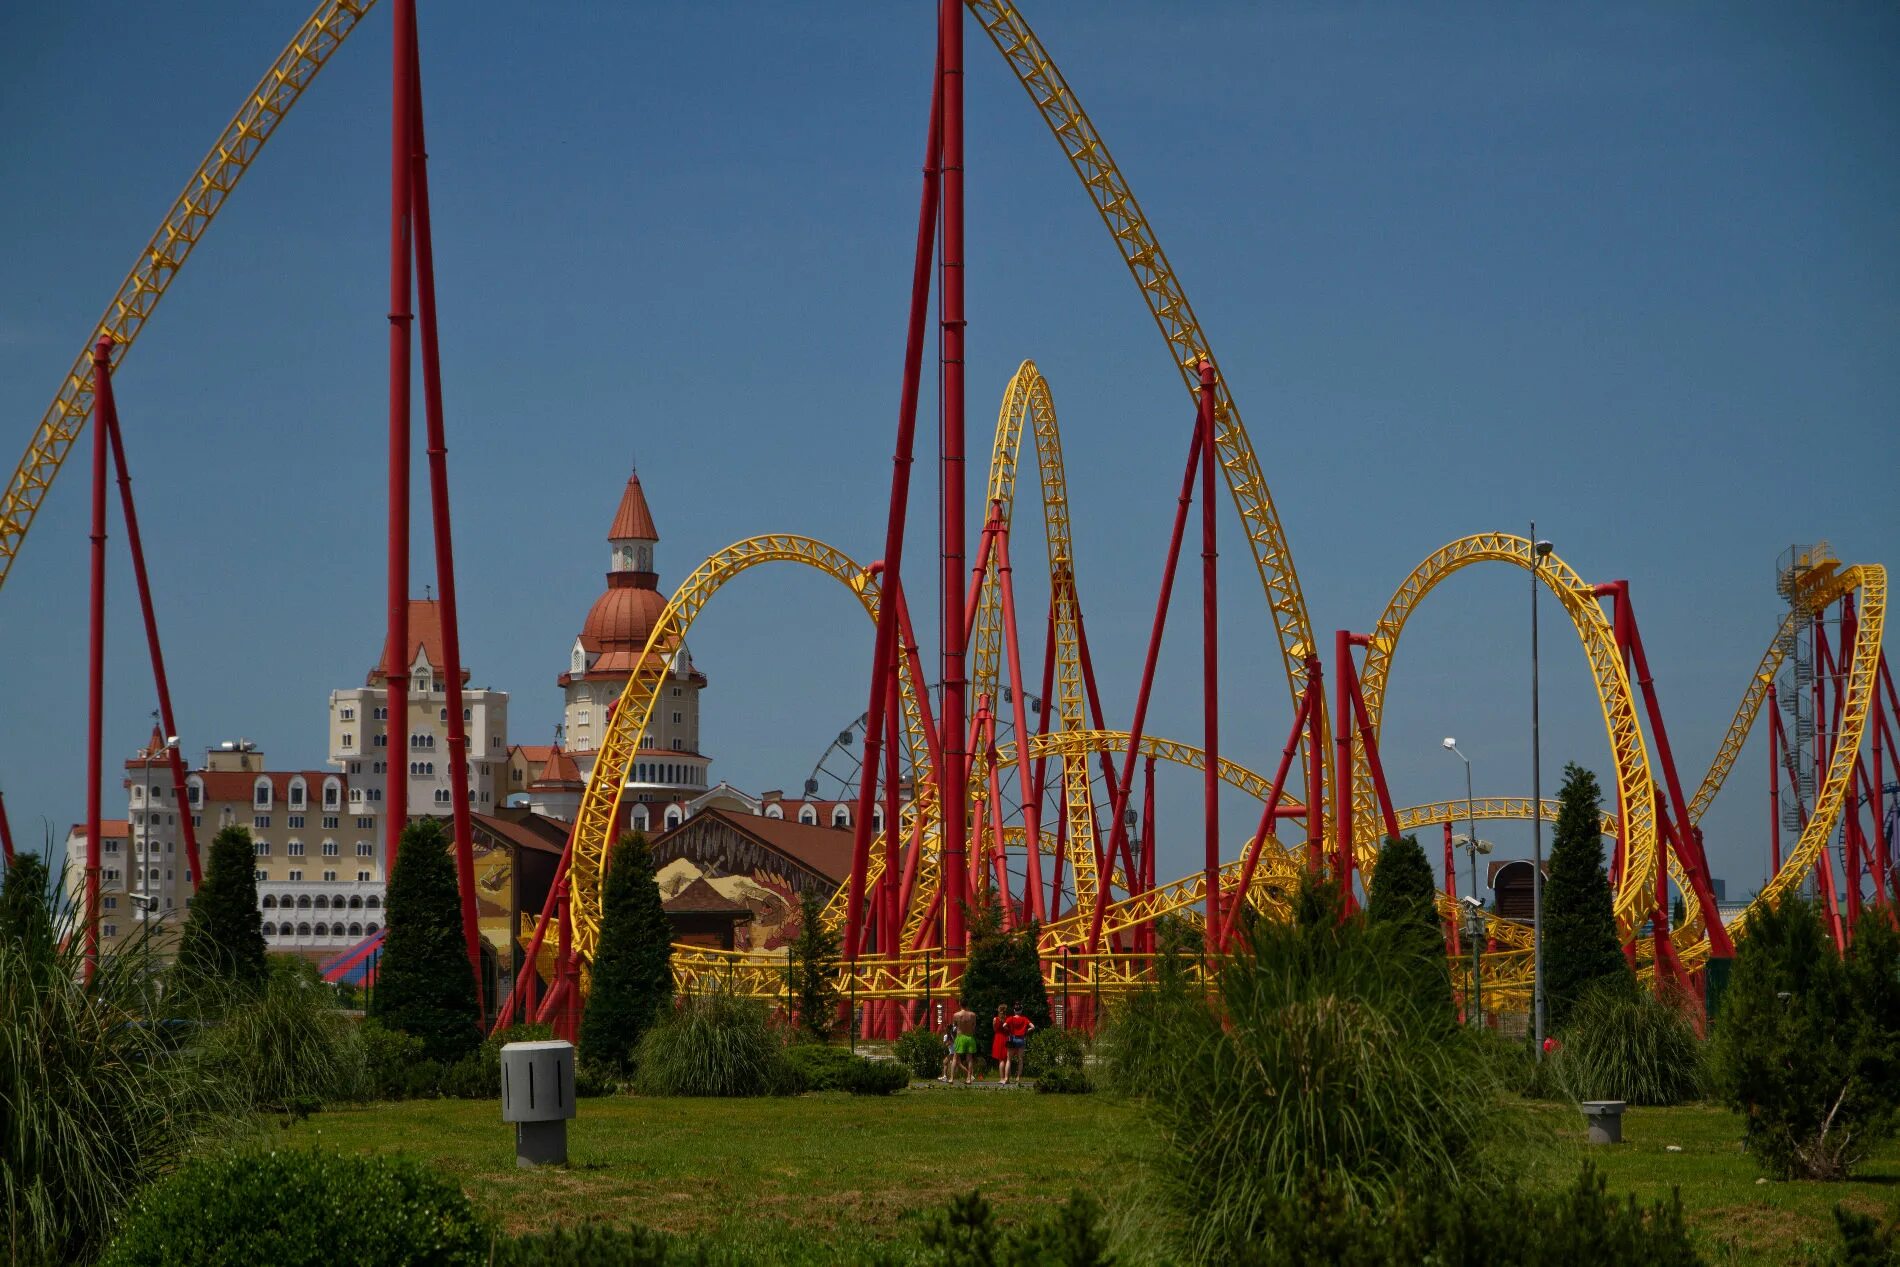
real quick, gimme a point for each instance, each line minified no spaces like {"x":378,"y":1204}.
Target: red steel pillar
{"x":1774,"y":784}
{"x":1019,"y":717}
{"x":1210,"y":665}
{"x":1451,"y":896}
{"x":6,"y":832}
{"x":439,"y":510}
{"x":396,"y":646}
{"x":1342,"y":766}
{"x":108,"y":419}
{"x":956,"y":804}
{"x":884,"y":654}
{"x":96,"y":650}
{"x":1315,"y":767}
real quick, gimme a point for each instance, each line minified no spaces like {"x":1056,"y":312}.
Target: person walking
{"x":999,"y":1043}
{"x":949,"y":1050}
{"x":1016,"y":1029}
{"x":964,"y":1052}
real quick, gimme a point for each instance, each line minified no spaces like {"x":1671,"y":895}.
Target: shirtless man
{"x":965,"y":1051}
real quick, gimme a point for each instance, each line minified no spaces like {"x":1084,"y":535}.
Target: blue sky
{"x":1627,"y":270}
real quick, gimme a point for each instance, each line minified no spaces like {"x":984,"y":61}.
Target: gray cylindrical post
{"x":537,"y":1095}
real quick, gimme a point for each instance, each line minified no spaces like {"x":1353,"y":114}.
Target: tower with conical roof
{"x":612,"y":648}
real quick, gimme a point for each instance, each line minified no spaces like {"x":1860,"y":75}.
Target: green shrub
{"x":819,"y":1066}
{"x":1807,"y":1043}
{"x":424,"y":985}
{"x":390,"y":1061}
{"x":1445,"y":1223}
{"x":223,"y":941}
{"x":1514,"y":1064}
{"x":1065,"y":1080}
{"x":1140,"y":1040}
{"x":1864,"y":1242}
{"x":1403,"y":894}
{"x":284,"y":1045}
{"x":586,"y":1245}
{"x":1052,"y":1049}
{"x":591,"y":1081}
{"x":1321,"y":1069}
{"x":97,"y":1097}
{"x":1582,"y":951}
{"x":966,"y":1234}
{"x":477,"y":1076}
{"x":811,"y":972}
{"x":633,"y":968}
{"x":1630,"y":1047}
{"x":293,"y":1208}
{"x":1004,"y":968}
{"x":712,"y":1044}
{"x":876,"y":1077}
{"x":921,"y":1052}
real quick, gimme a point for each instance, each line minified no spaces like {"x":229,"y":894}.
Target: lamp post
{"x":1540,"y":550}
{"x":1474,"y":933}
{"x":1471,"y":810}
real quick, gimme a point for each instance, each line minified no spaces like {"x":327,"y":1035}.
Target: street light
{"x":1540,"y":550}
{"x":1474,"y":933}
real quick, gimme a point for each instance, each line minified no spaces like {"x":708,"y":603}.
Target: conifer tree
{"x":633,"y":969}
{"x":813,"y":967}
{"x":25,"y":917}
{"x":424,"y":986}
{"x":1402,"y":900}
{"x":1581,"y":950}
{"x":1003,"y":969}
{"x":224,"y":931}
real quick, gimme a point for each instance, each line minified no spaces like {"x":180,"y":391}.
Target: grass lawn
{"x":834,"y":1170}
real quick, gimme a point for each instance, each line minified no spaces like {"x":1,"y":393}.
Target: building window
{"x":364,"y":849}
{"x":303,"y":930}
{"x":364,"y":824}
{"x":270,"y":930}
{"x":583,"y":717}
{"x":381,"y":713}
{"x":195,"y":793}
{"x":294,"y":849}
{"x":293,"y":820}
{"x":808,"y":816}
{"x":260,"y":821}
{"x":376,"y":794}
{"x":442,"y":796}
{"x":331,"y":849}
{"x":356,"y":930}
{"x":112,"y":903}
{"x":112,"y":846}
{"x":363,"y":876}
{"x":347,"y":714}
{"x":197,"y":820}
{"x":296,"y":796}
{"x":679,"y":745}
{"x":840,"y":816}
{"x":349,"y":740}
{"x":295,"y":876}
{"x":330,"y":822}
{"x":111,"y":930}
{"x":678,"y":718}
{"x":259,"y":875}
{"x":261,"y":796}
{"x":263,"y":848}
{"x":672,"y":818}
{"x":329,"y":875}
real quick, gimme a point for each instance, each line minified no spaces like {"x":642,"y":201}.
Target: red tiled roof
{"x":425,"y":634}
{"x":623,"y":616}
{"x":560,"y":770}
{"x":633,"y":519}
{"x":109,"y":829}
{"x":238,"y":785}
{"x":537,"y":753}
{"x":533,"y":832}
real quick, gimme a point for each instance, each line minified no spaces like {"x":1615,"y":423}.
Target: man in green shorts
{"x":964,"y":1053}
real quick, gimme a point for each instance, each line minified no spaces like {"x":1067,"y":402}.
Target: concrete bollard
{"x":537,"y":1095}
{"x":1605,"y":1120}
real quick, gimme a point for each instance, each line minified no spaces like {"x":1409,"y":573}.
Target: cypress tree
{"x":25,"y":917}
{"x":1003,"y":969}
{"x":224,"y":931}
{"x":633,"y":968}
{"x":1402,"y":900}
{"x":1581,"y":949}
{"x":424,"y":986}
{"x":813,"y":965}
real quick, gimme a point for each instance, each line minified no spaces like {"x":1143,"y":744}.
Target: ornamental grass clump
{"x":285,"y":1046}
{"x":1630,"y":1047}
{"x":101,"y":1090}
{"x":712,"y":1045}
{"x":1319,"y":1069}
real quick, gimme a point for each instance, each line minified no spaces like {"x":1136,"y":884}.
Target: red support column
{"x":1774,"y":783}
{"x":439,"y":510}
{"x":96,"y":650}
{"x":1145,"y":935}
{"x":1451,"y":896}
{"x":1210,"y":663}
{"x":1315,"y":768}
{"x":1019,"y":718}
{"x":6,"y":832}
{"x":956,"y":804}
{"x":1342,"y":766}
{"x":396,"y":648}
{"x":108,"y":419}
{"x":1269,"y":811}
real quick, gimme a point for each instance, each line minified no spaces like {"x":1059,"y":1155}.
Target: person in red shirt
{"x":999,"y":1043}
{"x":1016,"y":1029}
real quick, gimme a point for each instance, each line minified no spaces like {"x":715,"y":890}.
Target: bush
{"x":1053,"y":1049}
{"x":1320,"y":1070}
{"x":390,"y":1061}
{"x":1004,"y":970}
{"x":478,"y":1076}
{"x":1065,"y":1080}
{"x":876,"y":1077}
{"x":286,"y":1045}
{"x":921,"y":1052}
{"x":223,"y":941}
{"x":819,"y":1067}
{"x":1582,"y":953}
{"x":586,"y":1245}
{"x":293,"y":1208}
{"x":1403,"y":895}
{"x":712,"y":1044}
{"x":1139,"y":1043}
{"x":1628,"y":1047}
{"x":965,"y":1234}
{"x":1515,"y":1065}
{"x":96,"y":1096}
{"x":812,"y":972}
{"x":1510,"y":1228}
{"x":1807,"y":1044}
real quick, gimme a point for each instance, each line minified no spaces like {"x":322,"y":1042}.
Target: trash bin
{"x":1605,"y":1120}
{"x":537,"y":1095}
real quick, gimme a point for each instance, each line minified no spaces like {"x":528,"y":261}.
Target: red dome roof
{"x":623,"y":617}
